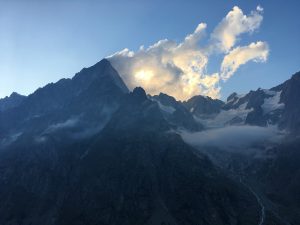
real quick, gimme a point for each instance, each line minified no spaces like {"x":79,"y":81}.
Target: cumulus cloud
{"x":233,"y":25}
{"x":257,"y":52}
{"x":176,"y":69}
{"x":234,"y":138}
{"x":180,"y":69}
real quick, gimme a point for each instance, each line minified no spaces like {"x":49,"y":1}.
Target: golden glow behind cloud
{"x":179,"y":69}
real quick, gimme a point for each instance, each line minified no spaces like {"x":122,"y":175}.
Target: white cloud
{"x":6,"y":141}
{"x":234,"y":24}
{"x":180,"y":69}
{"x":257,"y":52}
{"x":72,"y":122}
{"x":234,"y":138}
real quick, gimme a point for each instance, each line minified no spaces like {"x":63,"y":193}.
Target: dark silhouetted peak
{"x":137,"y":113}
{"x":254,"y":99}
{"x":200,"y":105}
{"x":12,"y":101}
{"x":102,"y":71}
{"x":290,"y":95}
{"x":166,"y":98}
{"x":100,"y":66}
{"x":296,"y":76}
{"x":16,"y":95}
{"x":176,"y":113}
{"x":94,"y":92}
{"x":138,"y":94}
{"x":232,"y":96}
{"x":103,"y":62}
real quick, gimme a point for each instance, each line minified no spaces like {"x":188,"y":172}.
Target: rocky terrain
{"x":87,"y":150}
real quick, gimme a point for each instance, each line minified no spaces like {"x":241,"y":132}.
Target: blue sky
{"x":43,"y":41}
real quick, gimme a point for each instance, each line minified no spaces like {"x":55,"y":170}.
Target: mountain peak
{"x":15,"y":94}
{"x":101,"y":70}
{"x":296,"y":76}
{"x":101,"y":64}
{"x":166,"y":99}
{"x":231,"y":96}
{"x":139,"y":94}
{"x":12,"y":101}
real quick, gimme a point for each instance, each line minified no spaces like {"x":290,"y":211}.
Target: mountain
{"x":290,"y":95}
{"x":278,"y":105}
{"x":279,"y":179}
{"x":176,"y":114}
{"x":153,"y":177}
{"x":87,"y":150}
{"x":10,"y":102}
{"x":64,"y":162}
{"x":203,"y":105}
{"x":134,"y":171}
{"x":270,"y":167}
{"x":263,"y":107}
{"x":91,"y":95}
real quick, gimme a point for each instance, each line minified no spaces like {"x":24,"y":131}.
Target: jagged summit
{"x":203,"y":105}
{"x":296,"y":76}
{"x":15,"y":94}
{"x":138,"y":94}
{"x":87,"y":151}
{"x":93,"y":94}
{"x":12,"y":101}
{"x":101,"y":70}
{"x":232,"y":96}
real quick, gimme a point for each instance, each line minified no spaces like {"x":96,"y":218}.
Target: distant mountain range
{"x":87,"y":150}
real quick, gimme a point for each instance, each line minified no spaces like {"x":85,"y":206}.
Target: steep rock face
{"x":85,"y":151}
{"x":10,"y":102}
{"x":155,"y":179}
{"x":201,"y":105}
{"x":92,"y":95}
{"x":266,"y":107}
{"x":275,"y":177}
{"x":132,"y":172}
{"x":176,"y":113}
{"x":276,"y":106}
{"x":290,"y":97}
{"x":137,"y":113}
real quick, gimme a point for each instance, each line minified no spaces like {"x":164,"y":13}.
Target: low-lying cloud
{"x":72,"y":122}
{"x":180,"y":69}
{"x":234,"y":137}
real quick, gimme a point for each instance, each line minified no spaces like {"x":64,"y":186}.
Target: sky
{"x":189,"y":47}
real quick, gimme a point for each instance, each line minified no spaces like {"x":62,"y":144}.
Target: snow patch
{"x":225,"y":116}
{"x":272,"y":103}
{"x":165,"y":108}
{"x":236,"y":99}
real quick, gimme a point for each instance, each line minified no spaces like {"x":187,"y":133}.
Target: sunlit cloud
{"x":233,"y":25}
{"x":257,"y":52}
{"x":180,"y":69}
